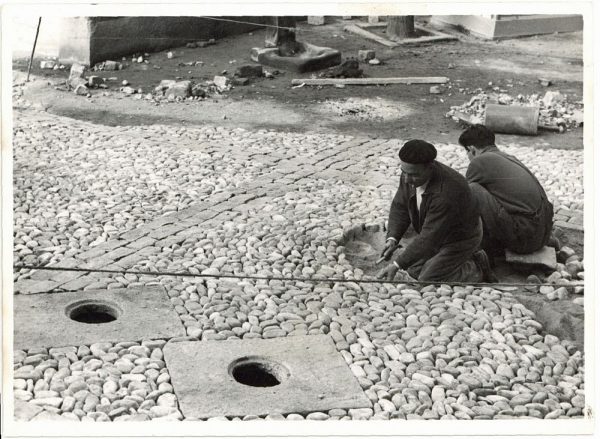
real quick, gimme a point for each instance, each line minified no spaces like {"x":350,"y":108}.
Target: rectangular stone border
{"x":319,"y":379}
{"x":40,"y":321}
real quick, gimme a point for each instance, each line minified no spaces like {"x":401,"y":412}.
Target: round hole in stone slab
{"x":258,"y":372}
{"x":93,"y":311}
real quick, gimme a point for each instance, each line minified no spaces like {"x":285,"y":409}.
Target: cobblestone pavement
{"x":222,"y":201}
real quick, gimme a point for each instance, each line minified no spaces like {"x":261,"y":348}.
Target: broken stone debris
{"x":555,"y":109}
{"x":47,"y":64}
{"x":76,"y":80}
{"x":552,"y":98}
{"x":201,"y":43}
{"x":240,"y":81}
{"x":348,"y":69}
{"x":128,"y":90}
{"x":374,"y":62}
{"x":81,"y":90}
{"x":435,"y":90}
{"x":366,"y":55}
{"x":108,"y":65}
{"x":222,"y":83}
{"x":199,"y":91}
{"x":179,"y":89}
{"x":250,"y":71}
{"x":95,"y":81}
{"x":77,"y":71}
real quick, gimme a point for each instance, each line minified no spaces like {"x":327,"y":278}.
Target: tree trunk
{"x":400,"y":26}
{"x":277,"y":36}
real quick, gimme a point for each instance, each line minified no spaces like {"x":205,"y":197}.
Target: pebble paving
{"x":229,"y":201}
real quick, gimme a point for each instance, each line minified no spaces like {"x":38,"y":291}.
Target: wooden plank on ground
{"x":423,"y":40}
{"x":371,"y":81}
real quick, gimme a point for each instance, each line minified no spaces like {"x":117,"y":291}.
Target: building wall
{"x":509,"y":26}
{"x":90,"y":40}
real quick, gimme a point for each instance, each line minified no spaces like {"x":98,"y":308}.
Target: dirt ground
{"x":396,"y":111}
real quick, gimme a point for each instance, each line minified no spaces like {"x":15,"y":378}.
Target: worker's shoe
{"x":481,"y":259}
{"x":554,"y":242}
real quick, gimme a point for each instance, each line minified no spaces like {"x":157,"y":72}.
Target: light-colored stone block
{"x":546,"y":256}
{"x":316,"y":20}
{"x":304,"y":373}
{"x":46,"y":319}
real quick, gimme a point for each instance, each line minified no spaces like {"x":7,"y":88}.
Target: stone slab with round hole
{"x":258,"y":377}
{"x":86,"y":317}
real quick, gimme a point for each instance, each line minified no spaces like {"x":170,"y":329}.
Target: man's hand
{"x":390,"y":247}
{"x":388,"y":273}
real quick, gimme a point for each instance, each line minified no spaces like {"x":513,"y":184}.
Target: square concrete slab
{"x":86,"y":317}
{"x":259,"y":377}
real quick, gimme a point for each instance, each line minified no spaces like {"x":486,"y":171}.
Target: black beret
{"x":417,"y":151}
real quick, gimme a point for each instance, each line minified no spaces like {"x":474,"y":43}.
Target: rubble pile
{"x":173,"y":90}
{"x":108,"y":65}
{"x":555,"y":109}
{"x":570,"y":268}
{"x":348,"y":69}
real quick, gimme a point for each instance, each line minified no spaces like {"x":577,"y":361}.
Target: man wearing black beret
{"x":438,"y":203}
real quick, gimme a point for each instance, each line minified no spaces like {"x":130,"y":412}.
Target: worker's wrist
{"x":392,"y":238}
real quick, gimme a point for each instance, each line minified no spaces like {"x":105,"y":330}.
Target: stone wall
{"x":90,"y":40}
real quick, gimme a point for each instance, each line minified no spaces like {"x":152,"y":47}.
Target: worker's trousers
{"x":503,"y":230}
{"x":452,"y":262}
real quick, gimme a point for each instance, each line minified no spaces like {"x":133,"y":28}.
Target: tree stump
{"x":400,"y":27}
{"x":281,"y":31}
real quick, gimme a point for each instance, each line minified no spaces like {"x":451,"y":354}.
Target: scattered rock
{"x":81,"y":90}
{"x":250,"y":71}
{"x":222,"y":83}
{"x":240,"y":81}
{"x":47,"y":64}
{"x":366,"y":55}
{"x":181,"y":89}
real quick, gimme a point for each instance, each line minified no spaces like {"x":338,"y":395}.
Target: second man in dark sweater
{"x":515,"y":211}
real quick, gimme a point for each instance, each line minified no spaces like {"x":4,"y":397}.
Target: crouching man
{"x":514,"y":207}
{"x":438,"y":203}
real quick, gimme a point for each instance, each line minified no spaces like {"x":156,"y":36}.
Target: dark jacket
{"x":448,"y":214}
{"x":508,"y":180}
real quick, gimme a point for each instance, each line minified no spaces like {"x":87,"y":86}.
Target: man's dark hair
{"x":478,"y":136}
